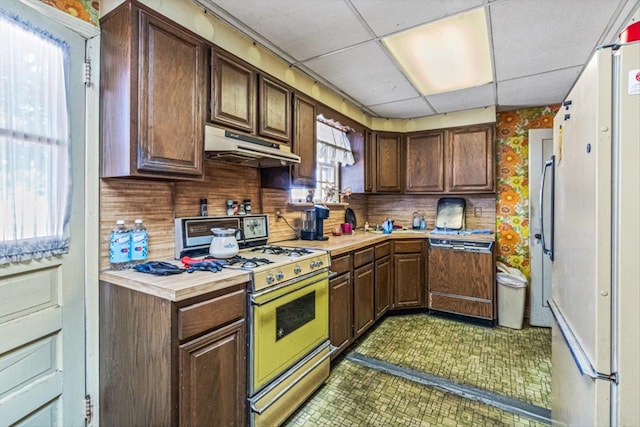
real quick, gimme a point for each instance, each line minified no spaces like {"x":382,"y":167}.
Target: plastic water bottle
{"x":139,"y":243}
{"x":423,"y":223}
{"x":119,"y":251}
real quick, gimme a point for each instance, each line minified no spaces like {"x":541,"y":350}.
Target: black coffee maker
{"x":322,"y":213}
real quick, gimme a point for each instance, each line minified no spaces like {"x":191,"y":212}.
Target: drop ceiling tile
{"x":465,"y":99}
{"x":409,"y":108}
{"x":364,"y":72}
{"x":303,"y":29}
{"x":385,"y":20}
{"x":531,"y":37}
{"x":541,"y":89}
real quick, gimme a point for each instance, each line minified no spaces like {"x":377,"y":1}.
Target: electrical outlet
{"x":278,"y":216}
{"x":477,"y":211}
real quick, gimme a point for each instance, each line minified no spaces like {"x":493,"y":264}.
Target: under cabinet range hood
{"x":242,"y":149}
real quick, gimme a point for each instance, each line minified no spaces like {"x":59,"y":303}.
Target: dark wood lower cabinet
{"x":166,"y":363}
{"x":409,"y":274}
{"x":363,"y":301}
{"x":340,"y":312}
{"x":383,"y":277}
{"x":210,"y":372}
{"x":462,"y":282}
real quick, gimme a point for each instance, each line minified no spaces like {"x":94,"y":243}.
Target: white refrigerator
{"x":591,"y":186}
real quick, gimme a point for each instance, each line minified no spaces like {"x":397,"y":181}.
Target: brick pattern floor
{"x":512,"y":363}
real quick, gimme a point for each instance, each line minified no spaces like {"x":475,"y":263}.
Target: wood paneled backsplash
{"x":158,"y":203}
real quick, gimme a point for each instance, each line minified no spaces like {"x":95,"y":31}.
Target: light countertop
{"x":338,"y":245}
{"x":176,"y":287}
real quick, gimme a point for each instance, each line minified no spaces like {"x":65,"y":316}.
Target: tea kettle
{"x":224,"y":243}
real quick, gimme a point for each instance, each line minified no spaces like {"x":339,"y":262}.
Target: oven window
{"x":295,"y":314}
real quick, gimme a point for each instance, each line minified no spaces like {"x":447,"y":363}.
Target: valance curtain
{"x":334,"y":144}
{"x":34,"y":143}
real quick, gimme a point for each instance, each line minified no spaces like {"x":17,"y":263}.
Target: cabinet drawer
{"x":407,"y":246}
{"x":383,"y":249}
{"x":363,"y":257}
{"x":201,"y":317}
{"x":341,"y":264}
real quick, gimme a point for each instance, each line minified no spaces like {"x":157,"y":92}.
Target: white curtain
{"x":34,"y":143}
{"x":335,"y":146}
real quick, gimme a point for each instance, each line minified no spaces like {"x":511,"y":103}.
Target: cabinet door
{"x":408,"y":280}
{"x":275,"y":110}
{"x":383,"y":285}
{"x":369,"y":162}
{"x":304,"y":140}
{"x":388,"y":155}
{"x":233,"y":91}
{"x":212,"y":378}
{"x":470,"y":158}
{"x":171,"y":94}
{"x":363,"y":302}
{"x":461,"y":282}
{"x":424,"y":156}
{"x":340,"y":309}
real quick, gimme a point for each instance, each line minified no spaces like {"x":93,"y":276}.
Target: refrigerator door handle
{"x":579,"y":356}
{"x":549,"y":164}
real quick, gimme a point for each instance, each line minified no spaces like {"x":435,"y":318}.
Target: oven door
{"x":289,"y":321}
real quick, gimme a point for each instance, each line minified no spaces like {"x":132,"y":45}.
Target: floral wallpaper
{"x":87,"y":10}
{"x":512,"y":205}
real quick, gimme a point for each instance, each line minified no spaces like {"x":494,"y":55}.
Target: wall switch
{"x":477,"y":211}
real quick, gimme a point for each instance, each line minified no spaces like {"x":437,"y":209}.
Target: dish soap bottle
{"x":423,"y":223}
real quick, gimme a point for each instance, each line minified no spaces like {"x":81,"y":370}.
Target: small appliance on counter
{"x":313,"y":223}
{"x":322,"y":213}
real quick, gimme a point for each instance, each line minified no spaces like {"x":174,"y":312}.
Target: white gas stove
{"x":270,"y":264}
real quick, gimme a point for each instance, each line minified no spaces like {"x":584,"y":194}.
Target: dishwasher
{"x":462,"y":278}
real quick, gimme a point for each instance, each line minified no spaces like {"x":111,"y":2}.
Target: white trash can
{"x":512,"y":288}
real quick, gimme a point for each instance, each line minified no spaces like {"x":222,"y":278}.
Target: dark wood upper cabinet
{"x":304,"y":140}
{"x":274,"y":113}
{"x":388,"y":162}
{"x":470,"y":158}
{"x":152,"y":97}
{"x":425,"y":162}
{"x":233,"y":92}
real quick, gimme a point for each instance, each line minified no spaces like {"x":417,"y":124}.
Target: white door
{"x":42,"y":319}
{"x":540,"y":150}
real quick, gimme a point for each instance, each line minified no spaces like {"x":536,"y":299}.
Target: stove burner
{"x":278,"y":250}
{"x":241,"y":261}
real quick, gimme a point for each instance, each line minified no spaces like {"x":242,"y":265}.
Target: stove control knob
{"x":279,"y":275}
{"x":270,"y":278}
{"x":320,"y":263}
{"x":297,"y":269}
{"x":313,"y":264}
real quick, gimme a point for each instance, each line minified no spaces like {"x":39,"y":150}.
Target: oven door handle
{"x":252,"y":402}
{"x":267,"y":301}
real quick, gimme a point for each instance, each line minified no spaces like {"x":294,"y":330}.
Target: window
{"x":34,"y":143}
{"x":333,"y":150}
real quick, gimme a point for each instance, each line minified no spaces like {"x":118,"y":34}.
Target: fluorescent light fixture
{"x":445,"y":55}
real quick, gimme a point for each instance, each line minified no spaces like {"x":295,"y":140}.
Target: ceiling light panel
{"x":445,"y":55}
